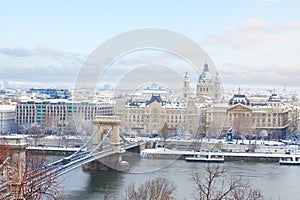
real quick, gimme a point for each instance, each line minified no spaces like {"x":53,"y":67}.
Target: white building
{"x":7,"y":118}
{"x":59,"y":111}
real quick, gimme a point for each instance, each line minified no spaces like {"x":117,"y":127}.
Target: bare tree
{"x":156,"y":189}
{"x":165,"y":132}
{"x":60,"y":132}
{"x":215,"y":125}
{"x":50,"y":125}
{"x":76,"y":124}
{"x":242,"y":124}
{"x":36,"y":132}
{"x":212,"y":129}
{"x":199,"y":137}
{"x":215,"y":183}
{"x":23,"y":128}
{"x":37,"y":183}
{"x":55,"y":125}
{"x":70,"y":126}
{"x":26,"y":179}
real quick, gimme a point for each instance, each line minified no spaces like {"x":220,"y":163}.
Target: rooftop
{"x":155,"y":97}
{"x":7,"y":108}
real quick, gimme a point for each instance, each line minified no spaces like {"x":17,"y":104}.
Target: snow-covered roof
{"x":4,"y":108}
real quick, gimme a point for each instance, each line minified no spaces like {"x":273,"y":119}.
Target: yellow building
{"x":271,"y":116}
{"x":151,"y":115}
{"x":186,"y":113}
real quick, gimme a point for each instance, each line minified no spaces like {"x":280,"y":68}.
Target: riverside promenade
{"x":261,"y":151}
{"x":164,"y":153}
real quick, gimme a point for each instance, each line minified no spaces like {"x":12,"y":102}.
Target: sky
{"x":251,"y":42}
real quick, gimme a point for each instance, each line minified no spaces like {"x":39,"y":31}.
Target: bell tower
{"x":186,"y":87}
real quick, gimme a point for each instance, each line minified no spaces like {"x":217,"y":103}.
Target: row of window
{"x":168,"y":112}
{"x":203,"y":89}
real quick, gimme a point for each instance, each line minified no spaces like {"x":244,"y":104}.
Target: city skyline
{"x":251,"y":42}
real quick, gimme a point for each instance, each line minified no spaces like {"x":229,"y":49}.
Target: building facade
{"x":246,"y":117}
{"x":60,"y":111}
{"x":52,"y":93}
{"x":209,"y":86}
{"x":186,"y":87}
{"x":186,"y":113}
{"x":150,"y":116}
{"x":7,"y":118}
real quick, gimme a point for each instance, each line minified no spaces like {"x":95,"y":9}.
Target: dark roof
{"x":274,"y":98}
{"x":239,"y":98}
{"x":155,"y":97}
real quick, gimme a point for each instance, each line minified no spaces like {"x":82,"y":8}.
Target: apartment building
{"x":59,"y":111}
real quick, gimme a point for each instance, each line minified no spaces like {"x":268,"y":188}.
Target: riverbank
{"x":164,"y":153}
{"x":53,"y":150}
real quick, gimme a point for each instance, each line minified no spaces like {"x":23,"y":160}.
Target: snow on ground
{"x":53,"y":148}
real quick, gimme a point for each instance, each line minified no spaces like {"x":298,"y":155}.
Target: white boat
{"x":211,"y":158}
{"x":290,"y":160}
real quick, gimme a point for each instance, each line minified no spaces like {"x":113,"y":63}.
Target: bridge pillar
{"x":112,"y":162}
{"x":15,"y":169}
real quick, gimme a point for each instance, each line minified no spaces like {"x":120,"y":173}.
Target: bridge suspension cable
{"x":85,"y":144}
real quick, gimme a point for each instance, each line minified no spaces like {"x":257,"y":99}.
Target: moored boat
{"x":211,"y":158}
{"x":290,"y":160}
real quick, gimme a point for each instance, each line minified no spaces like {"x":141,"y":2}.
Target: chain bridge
{"x":102,"y":151}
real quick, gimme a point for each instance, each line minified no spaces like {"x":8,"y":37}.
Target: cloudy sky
{"x":251,"y":42}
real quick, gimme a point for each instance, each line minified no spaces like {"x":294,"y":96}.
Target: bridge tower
{"x":103,"y":125}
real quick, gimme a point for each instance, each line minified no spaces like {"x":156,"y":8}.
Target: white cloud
{"x":256,"y":52}
{"x":252,"y":34}
{"x":16,"y":52}
{"x":41,"y":64}
{"x":246,"y":74}
{"x":49,"y":51}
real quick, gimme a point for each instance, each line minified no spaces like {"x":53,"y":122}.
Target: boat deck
{"x":290,"y":160}
{"x":211,"y":158}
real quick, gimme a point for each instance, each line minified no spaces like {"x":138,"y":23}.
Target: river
{"x":276,"y":181}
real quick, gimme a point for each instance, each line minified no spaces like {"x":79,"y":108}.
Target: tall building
{"x":7,"y":118}
{"x":209,"y":86}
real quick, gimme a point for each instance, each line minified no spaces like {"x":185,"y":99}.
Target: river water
{"x":276,"y":181}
